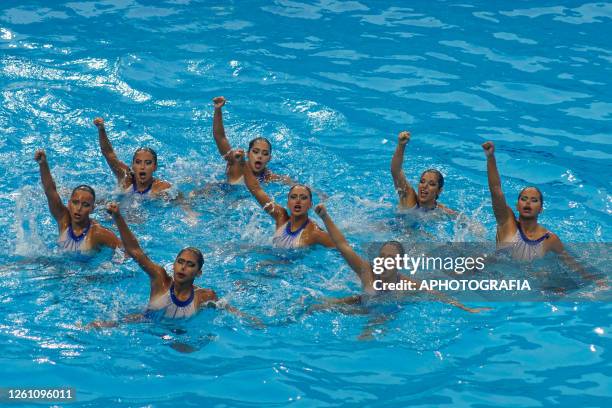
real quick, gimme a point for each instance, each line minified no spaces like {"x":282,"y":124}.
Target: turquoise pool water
{"x":331,"y":84}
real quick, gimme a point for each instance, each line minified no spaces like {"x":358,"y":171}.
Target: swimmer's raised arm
{"x":361,"y":267}
{"x":405,"y":191}
{"x":276,"y":211}
{"x":119,"y":168}
{"x":503,"y":213}
{"x":56,"y":206}
{"x":218,"y":129}
{"x":156,"y":273}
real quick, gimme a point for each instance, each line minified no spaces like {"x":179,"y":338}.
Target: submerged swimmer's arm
{"x":245,"y":316}
{"x":503,"y":213}
{"x":361,"y":267}
{"x":443,"y":298}
{"x":276,"y":211}
{"x":183,"y":202}
{"x":555,"y":245}
{"x":331,"y":303}
{"x":218,"y":128}
{"x":403,"y":188}
{"x":375,"y":325}
{"x":208,"y":298}
{"x":57,"y":208}
{"x":156,"y":273}
{"x":119,"y":168}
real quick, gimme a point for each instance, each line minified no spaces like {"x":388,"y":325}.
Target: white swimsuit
{"x":70,"y":242}
{"x":168,"y":306}
{"x":523,"y":248}
{"x":285,"y":238}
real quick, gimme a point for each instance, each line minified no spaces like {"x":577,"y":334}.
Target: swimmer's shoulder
{"x":447,"y":210}
{"x":204,"y":295}
{"x":552,"y":242}
{"x":160,"y":185}
{"x":101,"y":235}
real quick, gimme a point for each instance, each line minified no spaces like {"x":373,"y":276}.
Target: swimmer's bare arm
{"x":105,"y":237}
{"x":375,"y":325}
{"x":503,"y":214}
{"x":119,"y":168}
{"x":208,"y":297}
{"x":361,"y":267}
{"x":405,"y":191}
{"x":276,"y":211}
{"x":157,"y":275}
{"x":555,"y":245}
{"x":233,"y":167}
{"x":280,"y":179}
{"x":442,"y":297}
{"x":322,"y":238}
{"x":218,"y":129}
{"x":57,"y":208}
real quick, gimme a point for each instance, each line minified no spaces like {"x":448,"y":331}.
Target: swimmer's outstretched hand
{"x":112,"y":208}
{"x":219,"y":101}
{"x":40,"y":156}
{"x":99,"y":122}
{"x":321,"y":210}
{"x":403,"y":138}
{"x":489,"y":148}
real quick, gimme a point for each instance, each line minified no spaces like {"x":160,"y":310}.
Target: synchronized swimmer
{"x":77,"y":231}
{"x":294,"y":229}
{"x":178,"y":297}
{"x":259,"y":153}
{"x":169,"y":297}
{"x":137,"y":178}
{"x":430,"y":185}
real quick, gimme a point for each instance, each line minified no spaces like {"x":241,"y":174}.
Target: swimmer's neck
{"x":298,"y":220}
{"x":78,"y":227}
{"x":182,"y":291}
{"x":428,"y":205}
{"x":260,"y":172}
{"x":142,"y":186}
{"x":528,"y":225}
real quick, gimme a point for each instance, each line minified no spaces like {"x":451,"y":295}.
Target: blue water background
{"x":331,"y":84}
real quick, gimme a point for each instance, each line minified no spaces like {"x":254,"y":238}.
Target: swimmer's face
{"x":429,"y":188}
{"x":299,"y":201}
{"x":144,"y":166}
{"x":529,"y":204}
{"x":186,"y":267}
{"x":259,"y":156}
{"x":389,"y":251}
{"x":80,"y":205}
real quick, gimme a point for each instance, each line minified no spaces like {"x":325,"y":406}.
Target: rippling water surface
{"x":331,"y":83}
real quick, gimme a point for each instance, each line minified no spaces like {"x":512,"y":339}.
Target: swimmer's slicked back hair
{"x":398,"y":245}
{"x":145,"y":149}
{"x":85,"y":187}
{"x":536,"y":189}
{"x":438,"y":174}
{"x":301,"y":185}
{"x":263,"y":139}
{"x":197,"y":253}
